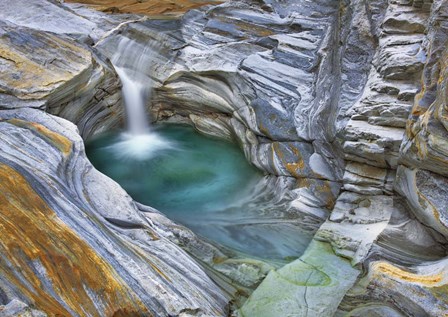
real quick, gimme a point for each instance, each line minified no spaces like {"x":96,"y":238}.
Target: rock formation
{"x":164,"y":8}
{"x":343,"y":104}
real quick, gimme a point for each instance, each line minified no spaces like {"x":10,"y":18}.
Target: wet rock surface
{"x":343,"y":103}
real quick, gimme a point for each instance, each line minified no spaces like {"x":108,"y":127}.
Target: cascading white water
{"x":134,"y":94}
{"x":132,"y":63}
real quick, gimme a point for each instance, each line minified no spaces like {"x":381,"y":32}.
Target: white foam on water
{"x":140,"y":146}
{"x":132,"y":61}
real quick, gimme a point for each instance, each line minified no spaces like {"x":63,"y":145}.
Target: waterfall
{"x":135,"y":96}
{"x":132,"y":62}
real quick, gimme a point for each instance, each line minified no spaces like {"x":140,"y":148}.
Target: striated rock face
{"x":75,"y":243}
{"x":63,"y":75}
{"x":147,"y":7}
{"x":405,"y":264}
{"x":341,"y":103}
{"x":36,"y":77}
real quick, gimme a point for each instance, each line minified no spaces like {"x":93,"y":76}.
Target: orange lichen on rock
{"x":59,"y":141}
{"x":49,"y":264}
{"x":146,"y":7}
{"x":397,"y":273}
{"x":294,"y":167}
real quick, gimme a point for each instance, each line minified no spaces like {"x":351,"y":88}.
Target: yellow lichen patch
{"x":421,"y":146}
{"x":427,"y":204}
{"x":49,"y":264}
{"x":155,"y":268}
{"x":159,"y":271}
{"x":324,"y":188}
{"x":263,"y":129}
{"x":25,"y":70}
{"x":256,"y":29}
{"x":321,"y":189}
{"x":147,"y":7}
{"x":304,"y":182}
{"x":416,"y":110}
{"x":397,"y":273}
{"x":294,"y":167}
{"x":60,"y":142}
{"x":251,"y":28}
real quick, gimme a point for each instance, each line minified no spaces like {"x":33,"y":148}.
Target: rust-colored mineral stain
{"x":59,"y":141}
{"x":32,"y":236}
{"x":257,"y":30}
{"x":295,"y":167}
{"x":397,"y":273}
{"x":146,"y":7}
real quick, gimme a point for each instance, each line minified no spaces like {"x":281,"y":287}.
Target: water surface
{"x":204,"y":183}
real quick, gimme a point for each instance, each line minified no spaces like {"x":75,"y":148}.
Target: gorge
{"x":339,"y":106}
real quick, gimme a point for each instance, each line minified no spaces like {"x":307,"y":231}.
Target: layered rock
{"x":153,"y":8}
{"x":418,"y":287}
{"x":63,"y":76}
{"x":369,"y":221}
{"x":75,"y":243}
{"x":342,"y":103}
{"x":422,"y":177}
{"x":406,"y":262}
{"x":224,"y":97}
{"x":268,"y":91}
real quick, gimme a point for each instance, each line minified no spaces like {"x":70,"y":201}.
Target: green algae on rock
{"x":313,"y":285}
